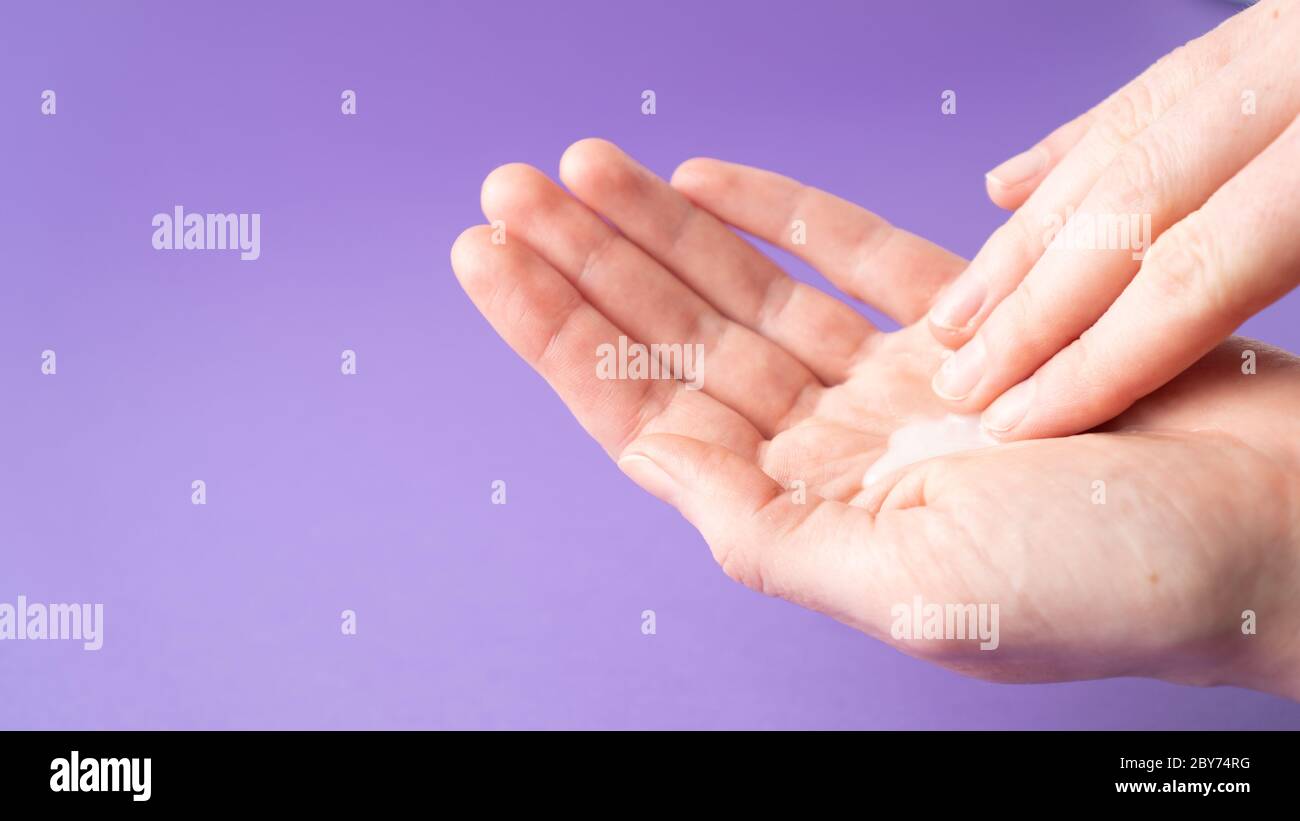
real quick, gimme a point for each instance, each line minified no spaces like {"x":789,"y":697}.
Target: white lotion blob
{"x":927,"y":439}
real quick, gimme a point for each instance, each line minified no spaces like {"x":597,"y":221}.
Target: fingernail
{"x":1009,"y":409}
{"x":649,"y":476}
{"x":959,"y":304}
{"x":1024,"y":166}
{"x":957,"y":377}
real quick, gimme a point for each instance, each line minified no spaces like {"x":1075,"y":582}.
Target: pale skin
{"x":1201,"y":152}
{"x":1202,"y":477}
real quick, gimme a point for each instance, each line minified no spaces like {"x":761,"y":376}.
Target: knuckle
{"x":1020,"y":328}
{"x":1181,"y":267}
{"x":1023,"y":236}
{"x":712,"y":462}
{"x":1129,"y":112}
{"x":1092,"y":390}
{"x":1175,"y":62}
{"x":724,"y":553}
{"x":1014,"y":318}
{"x":738,"y":564}
{"x":1136,"y":174}
{"x":1074,"y":358}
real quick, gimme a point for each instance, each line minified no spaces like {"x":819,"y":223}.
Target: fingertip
{"x":1004,"y":419}
{"x":953,"y":316}
{"x":649,"y":476}
{"x":586,"y":156}
{"x":950,"y":338}
{"x":1006,"y":197}
{"x":667,"y":450}
{"x":467,"y":249}
{"x":1019,"y":174}
{"x":511,"y":188}
{"x":694,"y":174}
{"x":594,"y":168}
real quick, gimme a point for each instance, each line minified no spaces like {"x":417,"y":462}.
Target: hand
{"x":1201,"y":153}
{"x":1202,"y":503}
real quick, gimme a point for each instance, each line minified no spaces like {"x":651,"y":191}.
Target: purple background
{"x":372,"y":492}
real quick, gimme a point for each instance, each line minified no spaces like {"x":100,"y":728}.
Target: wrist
{"x":1267,"y":656}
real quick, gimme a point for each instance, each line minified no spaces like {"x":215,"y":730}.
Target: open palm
{"x":1132,"y":551}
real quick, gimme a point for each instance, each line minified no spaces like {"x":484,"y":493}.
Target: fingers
{"x":1200,"y":280}
{"x":739,"y":282}
{"x":744,"y":371}
{"x":821,"y":554}
{"x":548,"y":323}
{"x":1162,"y":175}
{"x":865,"y":257}
{"x":1012,"y":249}
{"x":1013,"y":180}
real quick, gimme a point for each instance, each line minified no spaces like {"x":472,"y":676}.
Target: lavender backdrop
{"x":371,"y":492}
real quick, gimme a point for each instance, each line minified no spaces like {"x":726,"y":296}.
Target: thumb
{"x":783,"y":543}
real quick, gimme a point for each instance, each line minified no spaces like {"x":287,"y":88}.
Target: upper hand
{"x":1201,"y":154}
